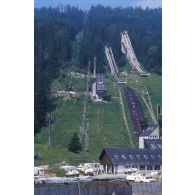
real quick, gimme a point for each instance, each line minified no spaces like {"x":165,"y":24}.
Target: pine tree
{"x":75,"y":145}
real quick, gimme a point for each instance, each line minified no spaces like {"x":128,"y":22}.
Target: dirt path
{"x":150,"y":109}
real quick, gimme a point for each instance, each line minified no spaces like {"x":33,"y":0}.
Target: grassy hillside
{"x":153,"y":83}
{"x":106,"y":124}
{"x":106,"y":128}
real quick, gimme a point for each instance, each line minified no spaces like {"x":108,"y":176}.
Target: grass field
{"x":106,"y":124}
{"x":106,"y":129}
{"x":154,"y":86}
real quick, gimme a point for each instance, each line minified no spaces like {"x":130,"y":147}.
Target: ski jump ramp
{"x":112,"y":63}
{"x":127,"y":49}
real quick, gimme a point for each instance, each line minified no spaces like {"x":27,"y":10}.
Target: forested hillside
{"x":54,"y":35}
{"x":69,"y":37}
{"x":104,"y":25}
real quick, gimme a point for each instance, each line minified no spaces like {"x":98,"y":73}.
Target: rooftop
{"x":100,"y":77}
{"x":148,"y":130}
{"x":128,"y":156}
{"x":153,"y":143}
{"x":101,"y":86}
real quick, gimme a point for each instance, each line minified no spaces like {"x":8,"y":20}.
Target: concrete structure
{"x":111,"y":62}
{"x":151,"y":132}
{"x":120,"y":160}
{"x":94,"y":90}
{"x":127,"y":49}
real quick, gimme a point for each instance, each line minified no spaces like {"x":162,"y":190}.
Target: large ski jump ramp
{"x":127,"y":49}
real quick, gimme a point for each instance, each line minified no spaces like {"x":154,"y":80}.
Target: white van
{"x":38,"y":171}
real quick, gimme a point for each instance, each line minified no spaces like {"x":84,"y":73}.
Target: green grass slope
{"x":106,"y":124}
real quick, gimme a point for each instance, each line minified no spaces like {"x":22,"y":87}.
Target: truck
{"x":38,"y":171}
{"x":86,"y":168}
{"x":72,"y":173}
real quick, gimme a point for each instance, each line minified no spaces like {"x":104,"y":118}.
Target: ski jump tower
{"x":127,"y":49}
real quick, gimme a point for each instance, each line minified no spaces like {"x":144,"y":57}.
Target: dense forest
{"x":68,"y":36}
{"x":54,"y":34}
{"x":104,"y":25}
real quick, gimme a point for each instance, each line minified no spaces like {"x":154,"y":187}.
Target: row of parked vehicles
{"x":83,"y":169}
{"x":140,"y":178}
{"x":134,"y":175}
{"x":91,"y":169}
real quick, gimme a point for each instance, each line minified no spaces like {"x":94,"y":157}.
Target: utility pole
{"x":50,"y":120}
{"x":87,"y":138}
{"x":84,"y":128}
{"x":94,"y":67}
{"x":49,"y":138}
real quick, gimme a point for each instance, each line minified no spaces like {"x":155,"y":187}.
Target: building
{"x":99,"y":87}
{"x":119,"y":160}
{"x":153,"y":143}
{"x":100,"y":84}
{"x":151,"y":132}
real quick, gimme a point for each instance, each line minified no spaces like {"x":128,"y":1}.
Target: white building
{"x":151,"y":132}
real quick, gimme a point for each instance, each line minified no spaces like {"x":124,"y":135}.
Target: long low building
{"x":119,"y":160}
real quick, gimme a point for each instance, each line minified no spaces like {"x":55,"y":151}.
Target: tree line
{"x":104,"y":25}
{"x":54,"y":33}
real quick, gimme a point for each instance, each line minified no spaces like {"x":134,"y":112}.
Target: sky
{"x":86,"y":4}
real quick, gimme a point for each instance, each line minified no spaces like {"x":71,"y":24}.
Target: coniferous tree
{"x":75,"y":145}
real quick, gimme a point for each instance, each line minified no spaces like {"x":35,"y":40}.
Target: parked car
{"x":140,"y":178}
{"x":154,"y":173}
{"x":132,"y":177}
{"x":38,"y":171}
{"x":89,"y":171}
{"x":145,"y":179}
{"x":86,"y":168}
{"x":149,"y":179}
{"x":72,"y":173}
{"x":131,"y":170}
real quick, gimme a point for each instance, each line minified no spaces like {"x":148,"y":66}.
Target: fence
{"x":83,"y":189}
